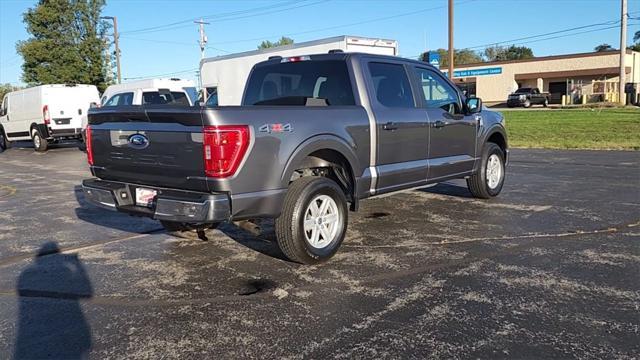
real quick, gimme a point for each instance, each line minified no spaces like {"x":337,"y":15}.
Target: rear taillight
{"x":45,"y":115}
{"x":224,"y":148}
{"x":89,"y":146}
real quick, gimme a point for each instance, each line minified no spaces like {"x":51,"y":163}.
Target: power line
{"x":174,"y":43}
{"x":160,"y":75}
{"x":538,"y":40}
{"x":241,"y":14}
{"x":545,"y":34}
{"x":343,"y":25}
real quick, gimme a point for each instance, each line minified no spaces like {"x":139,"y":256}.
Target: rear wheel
{"x":39,"y":143}
{"x":488,"y":180}
{"x":313,"y":221}
{"x":4,"y":143}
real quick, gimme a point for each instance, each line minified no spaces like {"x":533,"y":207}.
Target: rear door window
{"x":293,"y":83}
{"x":391,"y":85}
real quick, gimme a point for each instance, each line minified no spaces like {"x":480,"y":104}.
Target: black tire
{"x":40,"y":144}
{"x":4,"y":143}
{"x":478,"y":183}
{"x":173,"y":226}
{"x":289,"y":226}
{"x":527,"y":103}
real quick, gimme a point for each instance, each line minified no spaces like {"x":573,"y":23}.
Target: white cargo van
{"x":151,"y":91}
{"x":224,"y":77}
{"x":46,"y":113}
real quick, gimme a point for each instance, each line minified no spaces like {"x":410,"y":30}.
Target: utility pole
{"x":203,"y":43}
{"x":451,"y":51}
{"x":116,"y":43}
{"x":623,"y":51}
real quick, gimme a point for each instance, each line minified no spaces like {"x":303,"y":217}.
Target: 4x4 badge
{"x":275,"y":128}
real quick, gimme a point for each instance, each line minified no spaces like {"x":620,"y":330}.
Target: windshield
{"x":523,"y":91}
{"x":291,"y":83}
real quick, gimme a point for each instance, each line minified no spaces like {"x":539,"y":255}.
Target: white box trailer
{"x":225,"y":76}
{"x":46,"y":113}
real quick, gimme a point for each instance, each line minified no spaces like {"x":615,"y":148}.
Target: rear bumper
{"x":169,"y":204}
{"x":65,"y":133}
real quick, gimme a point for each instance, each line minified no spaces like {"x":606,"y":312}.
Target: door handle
{"x":439,"y":124}
{"x":390,"y":126}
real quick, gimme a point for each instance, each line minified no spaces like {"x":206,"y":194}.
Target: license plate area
{"x":145,"y":197}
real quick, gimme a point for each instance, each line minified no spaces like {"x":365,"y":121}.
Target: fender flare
{"x":315,"y":143}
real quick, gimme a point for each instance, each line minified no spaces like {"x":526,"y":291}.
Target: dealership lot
{"x":551,"y":268}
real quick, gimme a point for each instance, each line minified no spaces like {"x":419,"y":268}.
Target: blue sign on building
{"x":477,"y":72}
{"x":434,"y":58}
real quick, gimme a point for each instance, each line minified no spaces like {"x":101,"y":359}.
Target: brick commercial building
{"x":579,"y":78}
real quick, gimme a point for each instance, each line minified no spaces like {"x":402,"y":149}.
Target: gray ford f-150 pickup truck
{"x":315,"y":135}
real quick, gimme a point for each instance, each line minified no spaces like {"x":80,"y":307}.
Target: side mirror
{"x":474,"y":105}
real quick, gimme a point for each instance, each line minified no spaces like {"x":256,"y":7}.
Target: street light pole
{"x":451,"y":51}
{"x":623,"y":51}
{"x":116,"y":43}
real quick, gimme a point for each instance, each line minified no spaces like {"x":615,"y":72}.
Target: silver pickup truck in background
{"x":315,"y":135}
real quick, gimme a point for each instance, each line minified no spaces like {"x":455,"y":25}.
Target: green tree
{"x":603,"y":47}
{"x":7,"y":88}
{"x":502,"y":53}
{"x":268,"y":44}
{"x":636,"y":39}
{"x":460,"y":57}
{"x":66,"y":43}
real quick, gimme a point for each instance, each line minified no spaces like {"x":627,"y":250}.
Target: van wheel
{"x":488,"y":180}
{"x":39,"y":144}
{"x":313,"y":221}
{"x":4,"y":143}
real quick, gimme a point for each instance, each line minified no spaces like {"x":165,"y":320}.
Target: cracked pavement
{"x":550,"y":269}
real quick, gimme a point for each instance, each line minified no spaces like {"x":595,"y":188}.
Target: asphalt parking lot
{"x":550,"y":269}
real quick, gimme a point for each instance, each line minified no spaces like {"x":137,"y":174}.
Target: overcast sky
{"x":171,"y":50}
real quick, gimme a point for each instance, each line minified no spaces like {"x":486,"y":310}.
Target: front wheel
{"x":545,"y":103}
{"x":313,"y":221}
{"x":488,"y":180}
{"x":527,"y":103}
{"x":39,"y":144}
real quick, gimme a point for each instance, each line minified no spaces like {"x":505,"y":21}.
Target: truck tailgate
{"x":158,"y":147}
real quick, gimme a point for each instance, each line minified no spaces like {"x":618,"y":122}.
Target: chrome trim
{"x":374,"y":180}
{"x":361,"y":87}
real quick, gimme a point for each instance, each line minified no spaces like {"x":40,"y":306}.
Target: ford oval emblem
{"x":138,"y":141}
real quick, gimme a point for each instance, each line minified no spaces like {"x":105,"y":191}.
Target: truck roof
{"x":296,"y":46}
{"x":347,"y":55}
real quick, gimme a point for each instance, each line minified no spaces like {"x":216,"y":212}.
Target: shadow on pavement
{"x":51,"y":323}
{"x":449,"y":190}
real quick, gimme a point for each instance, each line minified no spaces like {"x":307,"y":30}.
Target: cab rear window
{"x":165,"y":98}
{"x":293,"y":83}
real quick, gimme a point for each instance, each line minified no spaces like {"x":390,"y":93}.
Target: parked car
{"x":527,"y":97}
{"x":151,"y":91}
{"x":315,"y":135}
{"x":45,"y":114}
